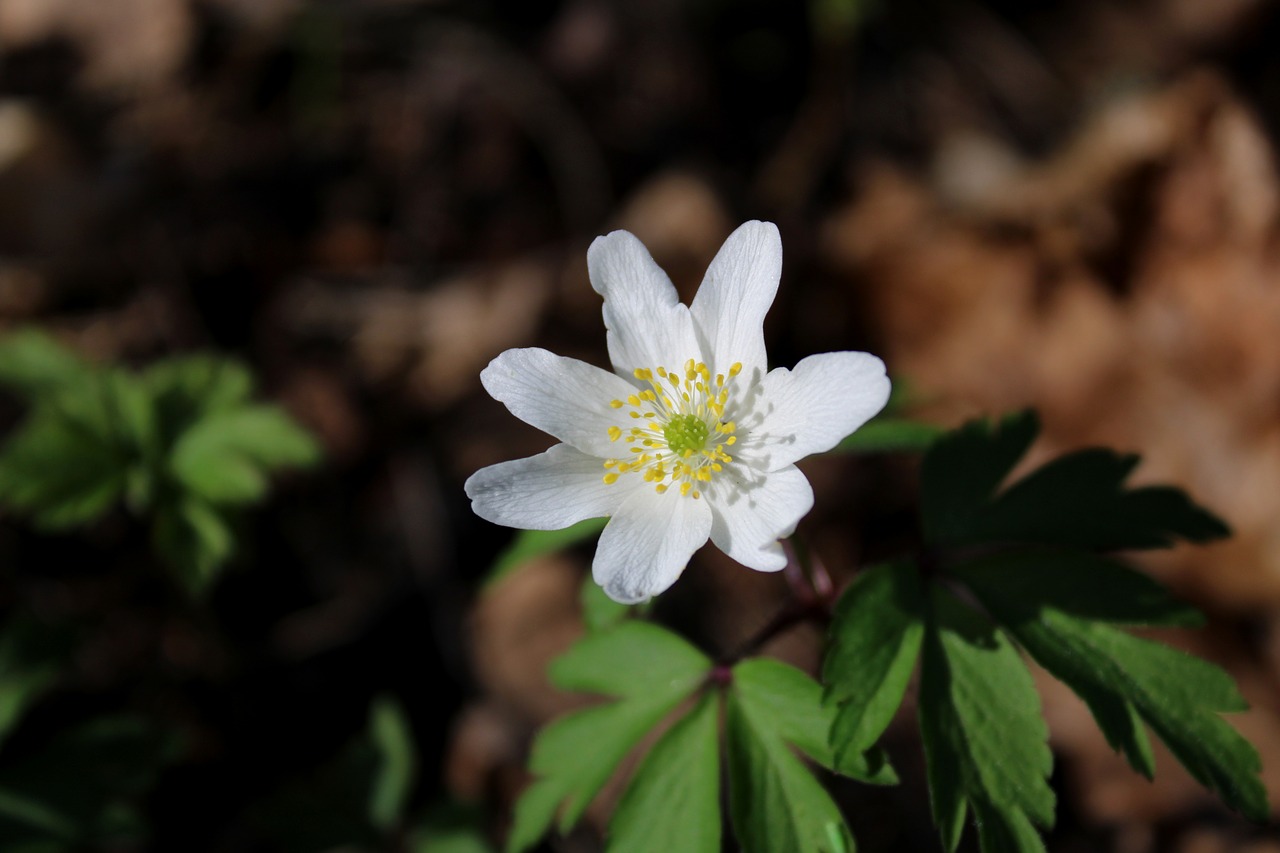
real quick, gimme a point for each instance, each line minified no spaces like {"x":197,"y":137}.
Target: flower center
{"x":682,"y":435}
{"x":686,"y":432}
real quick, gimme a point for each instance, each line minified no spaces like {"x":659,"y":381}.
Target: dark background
{"x":1070,"y":205}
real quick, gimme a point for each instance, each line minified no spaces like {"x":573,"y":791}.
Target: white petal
{"x":645,"y":322}
{"x":749,"y":517}
{"x":648,"y":543}
{"x":810,"y":409}
{"x":562,"y":396}
{"x":549,"y":491}
{"x":735,"y":295}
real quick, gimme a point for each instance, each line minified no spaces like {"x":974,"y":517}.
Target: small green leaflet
{"x":397,"y":763}
{"x":60,"y":473}
{"x":530,"y":544}
{"x":1126,"y":680}
{"x":357,"y":800}
{"x":984,"y":739}
{"x":34,"y":364}
{"x":224,"y":457}
{"x":673,"y":801}
{"x":891,"y":435}
{"x":775,"y":802}
{"x":650,"y":671}
{"x":874,"y":643}
{"x":195,"y":539}
{"x":1076,"y":500}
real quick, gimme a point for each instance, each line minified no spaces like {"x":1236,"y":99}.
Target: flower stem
{"x":812,"y":595}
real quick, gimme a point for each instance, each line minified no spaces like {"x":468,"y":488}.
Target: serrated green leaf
{"x":673,"y":801}
{"x":1119,"y":675}
{"x":1004,"y":831}
{"x":874,"y":643}
{"x":1077,"y":500}
{"x":775,"y":802}
{"x":888,"y":435}
{"x":397,"y":763}
{"x":195,"y":539}
{"x":33,"y":364}
{"x":962,"y":470}
{"x":791,"y":703}
{"x":651,"y":671}
{"x":531,"y":544}
{"x":1080,"y":500}
{"x":985,"y":741}
{"x":1086,"y":585}
{"x":60,"y":474}
{"x":224,"y":456}
{"x":599,"y":611}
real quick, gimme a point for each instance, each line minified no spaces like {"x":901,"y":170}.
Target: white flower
{"x":689,"y":438}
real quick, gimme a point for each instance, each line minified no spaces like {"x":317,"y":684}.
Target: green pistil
{"x":685,"y":432}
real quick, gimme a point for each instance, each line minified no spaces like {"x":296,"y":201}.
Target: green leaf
{"x":224,"y":456}
{"x":1077,"y":500}
{"x":874,"y":643}
{"x":1089,"y":586}
{"x":963,"y":469}
{"x":673,"y":801}
{"x":651,"y":671}
{"x":791,"y":702}
{"x":890,"y":435}
{"x":187,"y":387}
{"x":195,"y":539}
{"x":1123,"y":678}
{"x":59,"y":473}
{"x":984,"y":738}
{"x":599,"y":611}
{"x":531,"y":544}
{"x":1080,"y":500}
{"x":35,"y":365}
{"x":397,"y":763}
{"x":775,"y":802}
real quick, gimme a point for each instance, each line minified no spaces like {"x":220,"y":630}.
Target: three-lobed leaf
{"x":1077,"y":500}
{"x":650,"y":671}
{"x":1126,"y":680}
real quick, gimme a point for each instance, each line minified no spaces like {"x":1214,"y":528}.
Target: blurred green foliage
{"x":181,"y":444}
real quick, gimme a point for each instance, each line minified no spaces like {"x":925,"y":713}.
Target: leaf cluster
{"x":181,"y":443}
{"x":1006,"y":570}
{"x":1028,"y":566}
{"x":759,"y":716}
